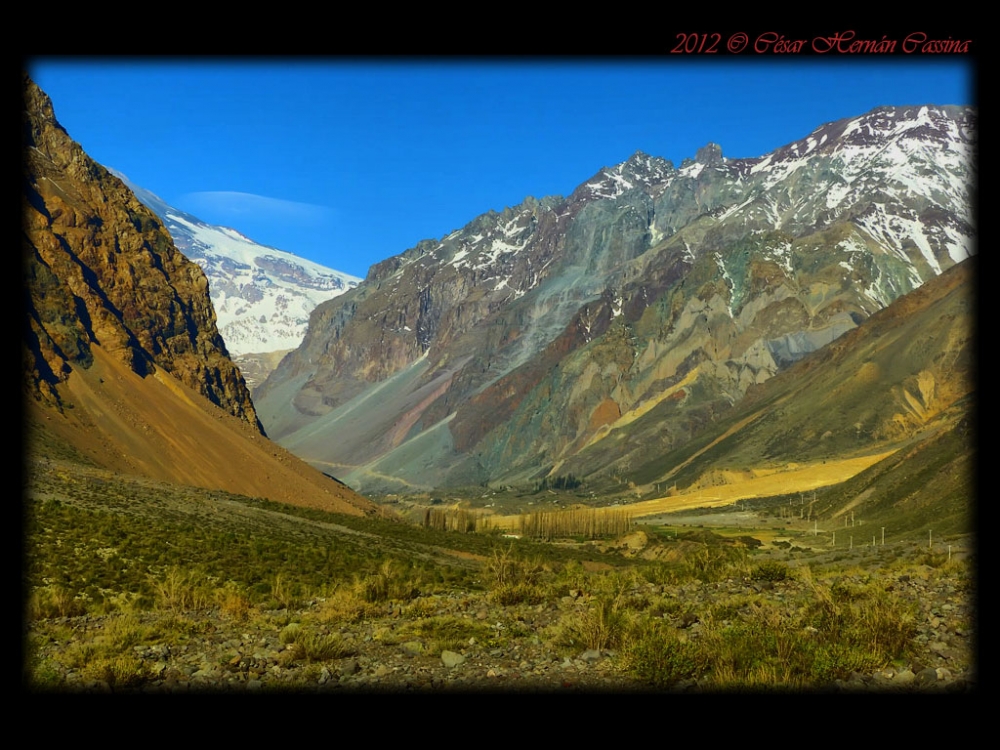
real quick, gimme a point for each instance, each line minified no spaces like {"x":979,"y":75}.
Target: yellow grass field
{"x":767,"y":483}
{"x":796,"y":478}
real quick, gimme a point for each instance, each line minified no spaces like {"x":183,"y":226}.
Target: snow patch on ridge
{"x":729,"y":281}
{"x":959,"y":246}
{"x":782,"y":253}
{"x":852,"y":246}
{"x":892,"y":229}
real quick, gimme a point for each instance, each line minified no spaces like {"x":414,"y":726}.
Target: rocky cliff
{"x":101,"y":269}
{"x":124,"y":368}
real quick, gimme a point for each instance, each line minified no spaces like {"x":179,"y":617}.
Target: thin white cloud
{"x":235,"y":206}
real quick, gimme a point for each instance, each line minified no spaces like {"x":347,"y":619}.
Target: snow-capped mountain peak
{"x":262,"y":295}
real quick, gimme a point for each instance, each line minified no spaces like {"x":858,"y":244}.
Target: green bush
{"x":390,"y":583}
{"x":771,"y":570}
{"x":658,"y":657}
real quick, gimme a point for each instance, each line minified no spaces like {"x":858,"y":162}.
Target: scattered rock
{"x":413,"y":648}
{"x":927,"y":675}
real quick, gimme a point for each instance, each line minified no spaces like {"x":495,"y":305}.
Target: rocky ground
{"x":515,"y":648}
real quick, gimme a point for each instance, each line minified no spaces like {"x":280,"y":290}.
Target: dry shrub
{"x":886,"y":623}
{"x":53,"y":601}
{"x":345,"y":604}
{"x":233,"y":602}
{"x":422,"y":607}
{"x":179,"y":591}
{"x":390,"y":583}
{"x":79,"y":654}
{"x":284,"y":593}
{"x":604,"y":625}
{"x":118,"y":671}
{"x":320,"y":647}
{"x":290,"y":633}
{"x":514,"y":580}
{"x":609,"y":621}
{"x":443,"y":632}
{"x":309,"y":646}
{"x":124,"y":632}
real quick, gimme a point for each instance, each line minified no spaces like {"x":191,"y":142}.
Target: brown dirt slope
{"x":156,"y":427}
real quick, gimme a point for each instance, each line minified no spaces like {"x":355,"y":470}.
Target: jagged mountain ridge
{"x":262,"y":295}
{"x":123,"y":365}
{"x":510,"y":345}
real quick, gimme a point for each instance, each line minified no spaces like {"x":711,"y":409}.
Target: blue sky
{"x":348,"y":162}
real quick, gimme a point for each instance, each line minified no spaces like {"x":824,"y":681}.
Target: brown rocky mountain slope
{"x":902,"y":382}
{"x":123,"y":362}
{"x":595,"y":333}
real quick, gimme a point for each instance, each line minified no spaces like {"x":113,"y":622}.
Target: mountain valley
{"x":694,"y":429}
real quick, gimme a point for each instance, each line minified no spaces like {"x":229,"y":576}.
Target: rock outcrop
{"x":101,"y":269}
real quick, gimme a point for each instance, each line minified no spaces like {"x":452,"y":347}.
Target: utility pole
{"x":883,"y":536}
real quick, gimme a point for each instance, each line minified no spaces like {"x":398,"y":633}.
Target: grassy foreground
{"x":125,"y":577}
